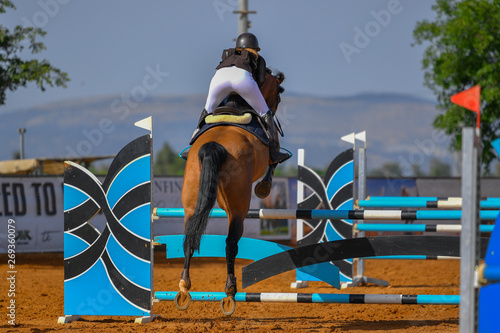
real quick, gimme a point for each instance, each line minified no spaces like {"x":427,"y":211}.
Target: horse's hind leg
{"x":185,"y":282}
{"x":263,"y":188}
{"x":183,"y":298}
{"x":234,"y":234}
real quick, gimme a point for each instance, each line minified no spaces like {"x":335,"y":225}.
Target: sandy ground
{"x":40,"y":300}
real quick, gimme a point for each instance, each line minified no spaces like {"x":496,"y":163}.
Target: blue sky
{"x":324,"y":47}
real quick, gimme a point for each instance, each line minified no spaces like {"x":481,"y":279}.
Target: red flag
{"x":471,"y":100}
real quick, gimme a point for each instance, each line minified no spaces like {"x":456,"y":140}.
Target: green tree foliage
{"x":438,"y":168}
{"x":417,"y":170}
{"x":100,"y":169}
{"x":168,"y":163}
{"x":16,"y":72}
{"x":388,"y":170}
{"x":16,"y":155}
{"x":463,"y":51}
{"x":289,"y":171}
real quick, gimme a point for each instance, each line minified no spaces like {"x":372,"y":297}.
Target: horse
{"x":222,"y":165}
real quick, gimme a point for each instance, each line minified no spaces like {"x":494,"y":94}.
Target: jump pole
{"x":423,"y":202}
{"x":388,"y":227}
{"x":318,"y":298}
{"x":398,"y":198}
{"x":307,"y":214}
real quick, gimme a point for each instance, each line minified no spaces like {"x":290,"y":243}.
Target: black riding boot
{"x":203,"y":115}
{"x":274,"y":149}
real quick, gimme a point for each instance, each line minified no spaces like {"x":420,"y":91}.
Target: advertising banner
{"x":32,"y":209}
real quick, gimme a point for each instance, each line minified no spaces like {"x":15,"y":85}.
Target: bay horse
{"x":222,"y":165}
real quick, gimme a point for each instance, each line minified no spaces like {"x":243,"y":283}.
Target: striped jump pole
{"x":310,"y":214}
{"x":424,"y":202}
{"x":413,"y":257}
{"x":318,"y":298}
{"x":388,"y":227}
{"x":376,"y":198}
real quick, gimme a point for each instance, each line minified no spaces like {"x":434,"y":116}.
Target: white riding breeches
{"x":234,"y":79}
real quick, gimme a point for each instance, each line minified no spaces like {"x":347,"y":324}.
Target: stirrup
{"x":284,"y":156}
{"x":184,"y":153}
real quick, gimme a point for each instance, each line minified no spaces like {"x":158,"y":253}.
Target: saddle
{"x":233,"y":109}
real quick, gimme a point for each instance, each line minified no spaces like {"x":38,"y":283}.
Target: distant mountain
{"x":399,"y":127}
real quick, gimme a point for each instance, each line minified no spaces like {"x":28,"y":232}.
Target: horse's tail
{"x":211,"y":155}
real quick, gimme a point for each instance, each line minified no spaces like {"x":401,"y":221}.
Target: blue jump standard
{"x":492,"y":273}
{"x":489,"y":293}
{"x":318,"y":298}
{"x":307,"y":214}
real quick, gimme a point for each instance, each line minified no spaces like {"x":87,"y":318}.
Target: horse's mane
{"x":279,"y":75}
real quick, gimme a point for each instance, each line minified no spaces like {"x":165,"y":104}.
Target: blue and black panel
{"x":334,"y":191}
{"x":363,"y":247}
{"x":109,"y":272}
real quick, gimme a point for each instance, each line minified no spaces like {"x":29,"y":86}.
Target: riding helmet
{"x":247,"y":40}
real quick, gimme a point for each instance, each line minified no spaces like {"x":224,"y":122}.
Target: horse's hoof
{"x":262,"y":189}
{"x":182,"y":300}
{"x":228,"y":305}
{"x":185,"y":284}
{"x":230,"y":288}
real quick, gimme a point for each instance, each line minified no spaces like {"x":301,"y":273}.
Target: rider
{"x":243,"y":70}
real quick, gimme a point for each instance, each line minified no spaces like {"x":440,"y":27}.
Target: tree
{"x":439,"y":168}
{"x":167,"y":162}
{"x":417,"y":170}
{"x":388,"y":170}
{"x":289,"y":171}
{"x":464,"y":51}
{"x":16,"y":155}
{"x":16,"y":72}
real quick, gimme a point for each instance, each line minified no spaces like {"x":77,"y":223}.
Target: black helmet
{"x":247,"y":40}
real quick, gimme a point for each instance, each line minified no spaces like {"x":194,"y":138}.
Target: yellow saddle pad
{"x":227,"y":118}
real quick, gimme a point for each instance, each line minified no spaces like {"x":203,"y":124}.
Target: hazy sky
{"x":324,"y":47}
